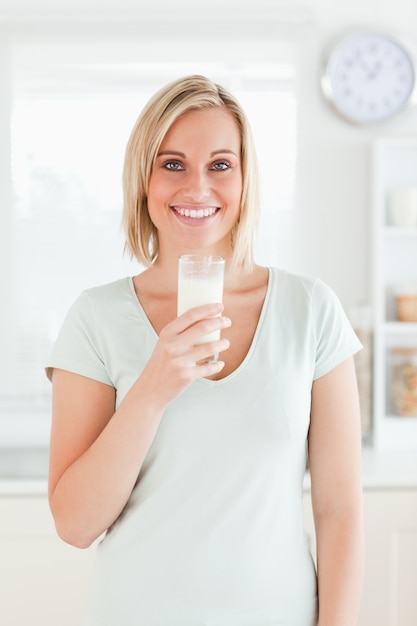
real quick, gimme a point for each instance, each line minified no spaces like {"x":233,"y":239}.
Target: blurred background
{"x":74,"y":75}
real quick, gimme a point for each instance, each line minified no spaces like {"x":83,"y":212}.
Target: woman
{"x":195,"y":470}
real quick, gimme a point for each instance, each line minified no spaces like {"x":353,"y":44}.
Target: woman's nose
{"x":196,"y":186}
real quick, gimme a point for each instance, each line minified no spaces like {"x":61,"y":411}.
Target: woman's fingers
{"x":202,"y":353}
{"x":180,"y":356}
{"x":196,"y":314}
{"x":192,"y":327}
{"x":189,"y":346}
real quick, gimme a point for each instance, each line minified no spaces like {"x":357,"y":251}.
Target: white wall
{"x":333,"y":208}
{"x":333,"y":205}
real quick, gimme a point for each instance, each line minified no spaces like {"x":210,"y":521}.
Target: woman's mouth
{"x":195,"y":213}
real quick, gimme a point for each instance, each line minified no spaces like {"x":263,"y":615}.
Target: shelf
{"x":394,"y":265}
{"x":406,"y":419}
{"x":400,"y":328}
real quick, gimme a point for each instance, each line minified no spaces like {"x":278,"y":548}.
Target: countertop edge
{"x":381,"y":469}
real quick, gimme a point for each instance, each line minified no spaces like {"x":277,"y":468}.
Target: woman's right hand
{"x":177,"y":359}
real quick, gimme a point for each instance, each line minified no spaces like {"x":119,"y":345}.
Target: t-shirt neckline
{"x":243,"y":364}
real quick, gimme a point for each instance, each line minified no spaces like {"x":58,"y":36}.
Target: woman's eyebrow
{"x":164,"y":152}
{"x":181,"y":154}
{"x":222,"y":151}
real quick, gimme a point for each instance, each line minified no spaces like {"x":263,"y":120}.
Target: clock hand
{"x":377,"y":67}
{"x":362,"y":64}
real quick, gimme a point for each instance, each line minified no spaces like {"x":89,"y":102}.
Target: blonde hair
{"x":162,"y":110}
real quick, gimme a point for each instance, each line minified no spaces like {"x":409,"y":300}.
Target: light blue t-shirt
{"x":212,"y":534}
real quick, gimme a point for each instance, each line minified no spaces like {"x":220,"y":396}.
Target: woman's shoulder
{"x":296,"y":288}
{"x":292,"y":281}
{"x":102,"y":300}
{"x":108,"y":292}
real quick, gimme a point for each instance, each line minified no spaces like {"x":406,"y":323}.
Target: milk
{"x":197,"y":291}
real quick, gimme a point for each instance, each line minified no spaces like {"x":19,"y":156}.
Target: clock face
{"x":369,"y":77}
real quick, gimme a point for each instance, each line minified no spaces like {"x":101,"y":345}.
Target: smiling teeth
{"x":197,"y":213}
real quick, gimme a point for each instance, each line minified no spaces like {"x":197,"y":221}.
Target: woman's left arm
{"x":336,"y":489}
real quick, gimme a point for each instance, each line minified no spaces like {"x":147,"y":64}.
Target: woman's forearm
{"x":92,"y":492}
{"x":340,"y":564}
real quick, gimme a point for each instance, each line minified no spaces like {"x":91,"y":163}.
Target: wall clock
{"x":369,"y":76}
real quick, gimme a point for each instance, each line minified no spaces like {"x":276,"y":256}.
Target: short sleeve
{"x":334,"y":335}
{"x":77,"y":347}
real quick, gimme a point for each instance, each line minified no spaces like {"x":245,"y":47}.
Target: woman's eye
{"x":221,"y":165}
{"x":173,"y":166}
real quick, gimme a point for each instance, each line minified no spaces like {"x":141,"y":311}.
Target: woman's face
{"x":195,"y":186}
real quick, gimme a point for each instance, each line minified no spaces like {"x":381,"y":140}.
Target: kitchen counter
{"x":386,"y":469}
{"x":381,"y":469}
{"x":23,"y":487}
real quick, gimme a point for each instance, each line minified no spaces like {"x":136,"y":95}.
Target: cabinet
{"x":390,"y":526}
{"x":394,"y":273}
{"x":43,"y":581}
{"x":389,"y":596}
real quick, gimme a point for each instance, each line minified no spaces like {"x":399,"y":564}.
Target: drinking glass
{"x":200,"y":281}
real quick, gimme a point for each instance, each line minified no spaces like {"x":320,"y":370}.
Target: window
{"x":72,"y":109}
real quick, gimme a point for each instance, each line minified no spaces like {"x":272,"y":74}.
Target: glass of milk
{"x":200,"y":281}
